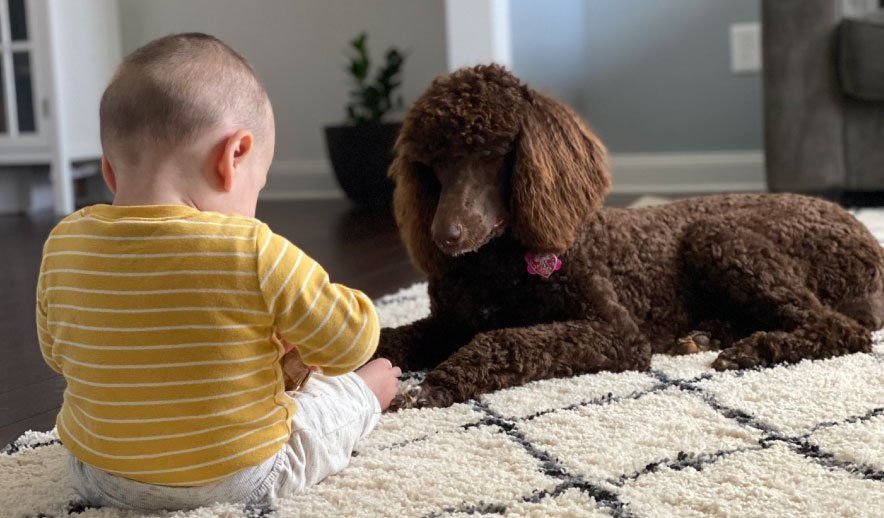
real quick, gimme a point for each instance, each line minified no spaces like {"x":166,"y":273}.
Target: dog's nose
{"x":452,"y":235}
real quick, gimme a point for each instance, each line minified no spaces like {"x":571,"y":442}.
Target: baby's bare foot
{"x":381,"y":377}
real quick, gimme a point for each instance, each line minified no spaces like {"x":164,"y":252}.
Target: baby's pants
{"x":333,"y":414}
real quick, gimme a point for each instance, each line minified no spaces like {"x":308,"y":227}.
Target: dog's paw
{"x":421,"y":396}
{"x":409,"y":396}
{"x":694,"y":342}
{"x":724,"y":364}
{"x":434,"y":397}
{"x":734,"y":359}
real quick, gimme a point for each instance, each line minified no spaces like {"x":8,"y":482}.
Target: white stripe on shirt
{"x":166,"y":453}
{"x":264,"y":246}
{"x":279,"y":257}
{"x":69,"y":392}
{"x":152,"y":256}
{"x":175,"y":418}
{"x":152,"y":292}
{"x":173,"y":309}
{"x":147,"y":238}
{"x":155,"y":222}
{"x":328,"y":315}
{"x":285,"y":283}
{"x":164,"y":437}
{"x":204,"y":464}
{"x":297,"y":295}
{"x":353,"y":344}
{"x":341,"y":330}
{"x":182,"y":345}
{"x":310,"y":309}
{"x":200,"y":381}
{"x":166,"y":365}
{"x":150,"y":274}
{"x":143,"y":329}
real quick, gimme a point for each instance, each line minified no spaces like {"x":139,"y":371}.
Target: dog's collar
{"x":542,"y":264}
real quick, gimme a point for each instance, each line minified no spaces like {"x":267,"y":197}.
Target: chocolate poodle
{"x":498,"y":198}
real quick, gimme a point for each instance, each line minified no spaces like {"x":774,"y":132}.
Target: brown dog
{"x":498,"y":198}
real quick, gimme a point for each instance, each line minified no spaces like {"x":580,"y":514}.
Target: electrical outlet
{"x":745,"y":48}
{"x":851,"y":8}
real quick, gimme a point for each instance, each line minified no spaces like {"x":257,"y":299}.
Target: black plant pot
{"x":360,"y":156}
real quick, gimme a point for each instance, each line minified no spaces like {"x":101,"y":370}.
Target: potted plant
{"x":361,"y":150}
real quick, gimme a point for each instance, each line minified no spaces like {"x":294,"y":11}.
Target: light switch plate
{"x":745,"y":48}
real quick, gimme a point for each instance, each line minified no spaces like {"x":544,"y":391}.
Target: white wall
{"x":298,"y":48}
{"x":91,"y":42}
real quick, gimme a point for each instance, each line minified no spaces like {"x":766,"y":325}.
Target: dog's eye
{"x":486,"y":153}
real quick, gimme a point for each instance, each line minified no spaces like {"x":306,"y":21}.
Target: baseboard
{"x":24,"y":189}
{"x":688,"y":172}
{"x":633,"y":173}
{"x":301,"y":180}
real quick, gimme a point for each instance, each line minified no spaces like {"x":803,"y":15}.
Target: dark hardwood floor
{"x":357,"y":248}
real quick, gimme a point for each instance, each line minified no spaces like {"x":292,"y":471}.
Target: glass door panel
{"x":24,"y":96}
{"x":18,"y":21}
{"x":18,"y":115}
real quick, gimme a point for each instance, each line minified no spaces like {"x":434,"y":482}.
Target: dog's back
{"x":840,"y":258}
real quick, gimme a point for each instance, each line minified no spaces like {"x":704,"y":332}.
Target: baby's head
{"x":185,"y":120}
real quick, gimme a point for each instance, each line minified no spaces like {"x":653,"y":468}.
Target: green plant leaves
{"x":370,"y":102}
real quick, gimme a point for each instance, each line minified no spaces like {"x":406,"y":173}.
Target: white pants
{"x":333,"y":414}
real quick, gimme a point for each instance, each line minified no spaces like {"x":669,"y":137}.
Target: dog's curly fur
{"x":771,"y":278}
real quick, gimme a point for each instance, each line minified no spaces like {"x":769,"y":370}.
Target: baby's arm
{"x":43,"y":336}
{"x":332,"y":326}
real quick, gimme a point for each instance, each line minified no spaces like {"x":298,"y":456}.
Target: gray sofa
{"x":824,"y":95}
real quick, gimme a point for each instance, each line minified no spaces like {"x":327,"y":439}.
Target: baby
{"x":168,"y":312}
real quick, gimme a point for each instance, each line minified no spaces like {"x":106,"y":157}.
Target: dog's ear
{"x":559,"y":178}
{"x":414,"y":205}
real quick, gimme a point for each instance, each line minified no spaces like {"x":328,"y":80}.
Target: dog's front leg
{"x":422,"y":344}
{"x":508,"y":357}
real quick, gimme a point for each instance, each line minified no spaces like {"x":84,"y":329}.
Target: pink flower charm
{"x":543,"y":264}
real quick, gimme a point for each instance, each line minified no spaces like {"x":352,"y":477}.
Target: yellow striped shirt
{"x":162,"y":320}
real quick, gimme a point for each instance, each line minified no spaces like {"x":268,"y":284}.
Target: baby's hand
{"x":294,"y":371}
{"x":381,"y":377}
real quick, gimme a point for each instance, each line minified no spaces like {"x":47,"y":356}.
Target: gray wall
{"x":550,"y":46}
{"x":648,"y":75}
{"x":298,"y":48}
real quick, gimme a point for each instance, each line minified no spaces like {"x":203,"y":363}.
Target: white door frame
{"x":60,"y":169}
{"x":478,"y":31}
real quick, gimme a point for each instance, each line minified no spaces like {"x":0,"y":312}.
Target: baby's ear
{"x":236,"y":148}
{"x":560,"y":176}
{"x":107,"y":172}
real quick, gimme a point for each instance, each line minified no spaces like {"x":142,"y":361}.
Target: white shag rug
{"x":680,"y":440}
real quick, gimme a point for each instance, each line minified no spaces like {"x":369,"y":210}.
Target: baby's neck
{"x":155,"y":192}
{"x":165,"y":183}
{"x":152,"y":198}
